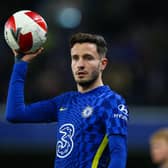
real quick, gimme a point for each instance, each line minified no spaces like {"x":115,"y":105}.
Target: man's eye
{"x":89,"y":57}
{"x":75,"y":58}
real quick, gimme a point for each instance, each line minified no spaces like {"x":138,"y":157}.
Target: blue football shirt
{"x":91,"y":127}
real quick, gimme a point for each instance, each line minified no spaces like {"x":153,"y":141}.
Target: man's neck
{"x":83,"y":89}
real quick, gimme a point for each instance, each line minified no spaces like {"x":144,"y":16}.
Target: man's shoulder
{"x":112,"y":94}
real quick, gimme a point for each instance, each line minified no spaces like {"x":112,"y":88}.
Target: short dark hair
{"x":98,"y":40}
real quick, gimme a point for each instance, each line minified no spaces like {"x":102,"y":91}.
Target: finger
{"x":15,"y":52}
{"x":40,"y":50}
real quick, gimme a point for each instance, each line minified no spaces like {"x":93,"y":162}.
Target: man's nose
{"x":81,"y":63}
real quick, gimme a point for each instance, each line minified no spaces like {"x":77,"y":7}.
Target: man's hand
{"x":27,"y":57}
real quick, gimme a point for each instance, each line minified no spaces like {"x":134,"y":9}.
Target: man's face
{"x":86,"y":63}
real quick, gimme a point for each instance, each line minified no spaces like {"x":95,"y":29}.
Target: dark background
{"x":136,"y":32}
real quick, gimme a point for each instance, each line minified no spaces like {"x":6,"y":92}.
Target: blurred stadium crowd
{"x":136,"y":32}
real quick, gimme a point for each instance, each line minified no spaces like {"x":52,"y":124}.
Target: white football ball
{"x":25,"y":31}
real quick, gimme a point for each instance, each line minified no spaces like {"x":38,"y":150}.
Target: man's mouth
{"x":81,"y":73}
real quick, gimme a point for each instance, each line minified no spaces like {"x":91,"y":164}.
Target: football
{"x":25,"y":31}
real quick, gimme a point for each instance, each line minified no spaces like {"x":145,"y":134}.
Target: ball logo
{"x":16,"y":34}
{"x":65,"y":144}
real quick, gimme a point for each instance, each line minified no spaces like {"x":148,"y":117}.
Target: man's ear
{"x":104,"y":63}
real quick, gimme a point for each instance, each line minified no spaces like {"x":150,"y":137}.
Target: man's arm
{"x":116,"y":129}
{"x":16,"y":110}
{"x":118,"y":151}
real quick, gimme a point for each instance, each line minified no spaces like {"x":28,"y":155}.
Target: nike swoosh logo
{"x":16,"y":34}
{"x":62,"y":109}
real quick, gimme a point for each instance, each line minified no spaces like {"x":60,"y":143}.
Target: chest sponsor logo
{"x":65,"y":144}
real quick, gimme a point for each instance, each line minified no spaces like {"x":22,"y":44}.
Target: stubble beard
{"x":88,"y":82}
